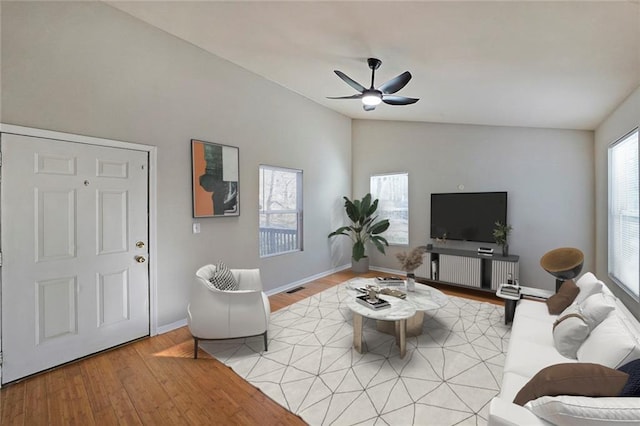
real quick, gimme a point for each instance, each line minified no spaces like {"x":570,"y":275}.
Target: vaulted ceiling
{"x":534,"y":64}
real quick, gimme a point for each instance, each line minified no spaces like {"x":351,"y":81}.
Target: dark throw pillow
{"x":632,"y":388}
{"x":223,"y":279}
{"x":577,"y":379}
{"x":563,"y":298}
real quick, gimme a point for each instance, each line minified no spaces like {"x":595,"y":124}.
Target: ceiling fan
{"x":384,"y":93}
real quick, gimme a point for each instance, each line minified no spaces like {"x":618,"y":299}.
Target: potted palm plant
{"x":365,"y":227}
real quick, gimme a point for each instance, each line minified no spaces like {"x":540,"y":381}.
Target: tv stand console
{"x":468,"y":268}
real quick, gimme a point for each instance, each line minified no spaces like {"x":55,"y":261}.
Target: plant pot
{"x":505,"y":250}
{"x":360,"y":266}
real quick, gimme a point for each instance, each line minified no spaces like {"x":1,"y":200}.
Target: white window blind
{"x":392,"y":192}
{"x":624,"y":206}
{"x":280,"y":210}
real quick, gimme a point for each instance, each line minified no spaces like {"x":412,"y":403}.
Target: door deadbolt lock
{"x":140,"y":244}
{"x":140,"y":259}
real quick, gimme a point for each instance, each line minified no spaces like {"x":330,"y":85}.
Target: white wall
{"x":548,"y":175}
{"x":623,"y":120}
{"x":86,"y":68}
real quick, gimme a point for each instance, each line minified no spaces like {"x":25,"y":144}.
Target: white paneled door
{"x":75,"y":276}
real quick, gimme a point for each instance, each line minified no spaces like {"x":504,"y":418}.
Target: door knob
{"x":140,"y":259}
{"x":140,"y":244}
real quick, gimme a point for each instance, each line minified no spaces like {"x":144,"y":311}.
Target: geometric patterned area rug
{"x":448,"y":376}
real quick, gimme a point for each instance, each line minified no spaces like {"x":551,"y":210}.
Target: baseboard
{"x":388,"y":271}
{"x":305,"y":280}
{"x":170,"y":327}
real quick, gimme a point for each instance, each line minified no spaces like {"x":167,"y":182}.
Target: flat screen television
{"x":467,"y":216}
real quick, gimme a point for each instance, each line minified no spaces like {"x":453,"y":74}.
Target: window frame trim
{"x":299,"y":211}
{"x":610,"y":147}
{"x":408,"y":244}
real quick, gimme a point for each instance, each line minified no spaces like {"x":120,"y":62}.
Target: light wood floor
{"x":155,"y":381}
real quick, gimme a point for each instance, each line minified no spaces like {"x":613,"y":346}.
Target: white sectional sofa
{"x":613,"y":343}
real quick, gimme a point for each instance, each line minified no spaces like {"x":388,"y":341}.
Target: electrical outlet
{"x":196,"y":227}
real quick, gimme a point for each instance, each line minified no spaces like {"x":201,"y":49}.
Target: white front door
{"x":74,"y":229}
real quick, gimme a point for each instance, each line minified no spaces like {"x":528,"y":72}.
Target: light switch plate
{"x":196,"y":227}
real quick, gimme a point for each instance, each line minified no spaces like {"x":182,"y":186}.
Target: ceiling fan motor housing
{"x":374,"y":63}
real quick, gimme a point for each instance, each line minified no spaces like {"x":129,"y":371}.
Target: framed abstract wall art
{"x":215,"y":179}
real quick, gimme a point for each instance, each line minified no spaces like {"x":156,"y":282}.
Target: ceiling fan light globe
{"x":371,"y":99}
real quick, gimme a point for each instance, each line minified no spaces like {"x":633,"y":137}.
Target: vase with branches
{"x":409,"y":262}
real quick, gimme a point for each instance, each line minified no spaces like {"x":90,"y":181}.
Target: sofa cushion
{"x":575,"y":323}
{"x":581,"y":379}
{"x":527,"y":358}
{"x":531,"y":333}
{"x":596,"y":308}
{"x":223,"y":278}
{"x":585,"y":411}
{"x":569,"y":331}
{"x":563,"y":298}
{"x":632,"y":387}
{"x":588,"y":285}
{"x":535,"y":309}
{"x":610,"y":344}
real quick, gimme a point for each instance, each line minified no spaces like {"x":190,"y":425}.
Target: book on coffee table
{"x":389,"y":280}
{"x":372,"y":304}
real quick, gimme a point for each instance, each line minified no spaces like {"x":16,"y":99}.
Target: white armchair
{"x":214,"y":314}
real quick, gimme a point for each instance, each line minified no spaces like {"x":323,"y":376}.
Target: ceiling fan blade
{"x":395,"y":84}
{"x":368,"y":107}
{"x":359,"y":87}
{"x":398,"y":100}
{"x":358,"y":96}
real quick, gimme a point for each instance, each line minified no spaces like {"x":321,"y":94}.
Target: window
{"x":280,"y":208}
{"x":624,"y":237}
{"x":392,"y":192}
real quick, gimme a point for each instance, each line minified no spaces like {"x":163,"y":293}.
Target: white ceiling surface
{"x":533,"y":64}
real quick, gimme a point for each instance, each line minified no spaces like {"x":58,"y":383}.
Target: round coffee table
{"x":424,"y":298}
{"x":396,"y":314}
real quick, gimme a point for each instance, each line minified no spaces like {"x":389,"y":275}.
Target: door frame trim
{"x":152,"y":151}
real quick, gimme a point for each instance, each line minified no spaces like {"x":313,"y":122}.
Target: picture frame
{"x":215,"y":179}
